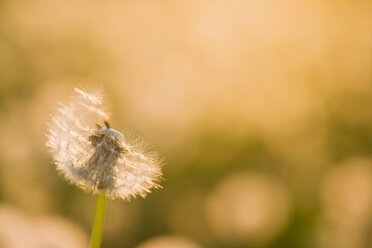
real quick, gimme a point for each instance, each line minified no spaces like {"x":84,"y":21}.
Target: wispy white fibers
{"x":96,"y":157}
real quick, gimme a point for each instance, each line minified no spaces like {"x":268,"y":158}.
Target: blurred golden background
{"x":263,"y":110}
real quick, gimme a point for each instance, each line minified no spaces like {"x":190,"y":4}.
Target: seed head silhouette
{"x":97,"y":158}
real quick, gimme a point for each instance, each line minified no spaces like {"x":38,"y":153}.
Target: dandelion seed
{"x":97,"y":158}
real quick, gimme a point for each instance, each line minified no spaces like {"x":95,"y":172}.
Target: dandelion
{"x":97,"y":158}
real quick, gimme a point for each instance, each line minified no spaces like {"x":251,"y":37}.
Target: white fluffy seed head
{"x":97,"y":158}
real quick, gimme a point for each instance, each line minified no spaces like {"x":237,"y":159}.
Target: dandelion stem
{"x":96,"y":237}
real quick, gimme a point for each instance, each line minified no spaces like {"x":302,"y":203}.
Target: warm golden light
{"x":20,"y":231}
{"x":346,"y":198}
{"x":168,"y":242}
{"x":262,"y":110}
{"x":248,"y":208}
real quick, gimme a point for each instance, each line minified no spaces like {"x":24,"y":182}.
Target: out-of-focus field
{"x":263,"y":110}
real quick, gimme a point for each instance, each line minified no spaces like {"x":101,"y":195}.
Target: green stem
{"x":95,"y":239}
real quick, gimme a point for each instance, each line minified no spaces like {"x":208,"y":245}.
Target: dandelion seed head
{"x":96,"y":157}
